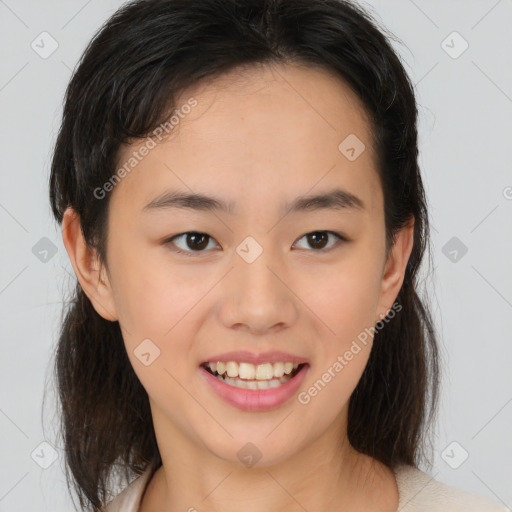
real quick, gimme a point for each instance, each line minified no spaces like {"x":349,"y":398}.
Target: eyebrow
{"x":337,"y":199}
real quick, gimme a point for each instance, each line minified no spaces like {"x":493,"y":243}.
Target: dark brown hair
{"x":124,"y":86}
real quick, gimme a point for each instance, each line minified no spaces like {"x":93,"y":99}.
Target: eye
{"x":193,"y":239}
{"x":317,"y":239}
{"x":197,"y":242}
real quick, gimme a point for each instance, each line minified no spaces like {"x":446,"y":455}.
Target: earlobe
{"x":394,"y":269}
{"x":91,"y":276}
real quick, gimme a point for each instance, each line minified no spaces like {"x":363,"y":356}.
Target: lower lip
{"x":255,"y":399}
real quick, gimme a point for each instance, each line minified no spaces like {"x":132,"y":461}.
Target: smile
{"x":254,"y":387}
{"x":249,"y":376}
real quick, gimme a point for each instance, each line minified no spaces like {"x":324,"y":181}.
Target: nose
{"x":258,"y":297}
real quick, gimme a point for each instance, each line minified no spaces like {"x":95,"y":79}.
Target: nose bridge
{"x":253,"y":278}
{"x":258,"y":298}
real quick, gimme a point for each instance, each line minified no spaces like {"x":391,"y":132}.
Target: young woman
{"x":240,"y":198}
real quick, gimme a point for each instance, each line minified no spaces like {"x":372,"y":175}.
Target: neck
{"x":325,"y":475}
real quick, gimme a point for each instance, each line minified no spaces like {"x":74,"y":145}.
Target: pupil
{"x":194,"y":237}
{"x":314,"y":235}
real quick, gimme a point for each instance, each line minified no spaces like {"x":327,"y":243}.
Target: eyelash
{"x":340,"y":237}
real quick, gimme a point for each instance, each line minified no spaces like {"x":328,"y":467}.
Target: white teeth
{"x":250,"y":384}
{"x":253,"y":384}
{"x":232,"y":369}
{"x":249,"y":376}
{"x":262,"y":384}
{"x":248,"y":371}
{"x":279,"y":369}
{"x":221,"y":367}
{"x":264,"y":371}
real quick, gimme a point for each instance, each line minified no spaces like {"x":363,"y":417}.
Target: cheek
{"x":346,"y":297}
{"x":347,"y":305}
{"x":151,"y":294}
{"x":159,"y":318}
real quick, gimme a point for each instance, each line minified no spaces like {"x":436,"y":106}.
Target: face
{"x":265,"y":275}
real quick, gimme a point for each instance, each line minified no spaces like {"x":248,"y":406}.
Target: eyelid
{"x":188,"y":253}
{"x":340,"y":237}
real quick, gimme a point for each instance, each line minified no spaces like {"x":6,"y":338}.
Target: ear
{"x":91,"y":276}
{"x":394,"y":269}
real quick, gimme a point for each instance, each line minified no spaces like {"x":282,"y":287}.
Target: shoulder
{"x":129,"y":499}
{"x":420,"y":492}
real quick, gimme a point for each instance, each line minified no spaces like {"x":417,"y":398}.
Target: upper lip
{"x":243,"y":356}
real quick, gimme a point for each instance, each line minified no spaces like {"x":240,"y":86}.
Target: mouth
{"x":253,"y":377}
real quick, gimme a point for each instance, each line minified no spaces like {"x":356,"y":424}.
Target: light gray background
{"x":465,"y":127}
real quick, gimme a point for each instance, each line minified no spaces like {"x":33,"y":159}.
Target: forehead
{"x":267,"y":130}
